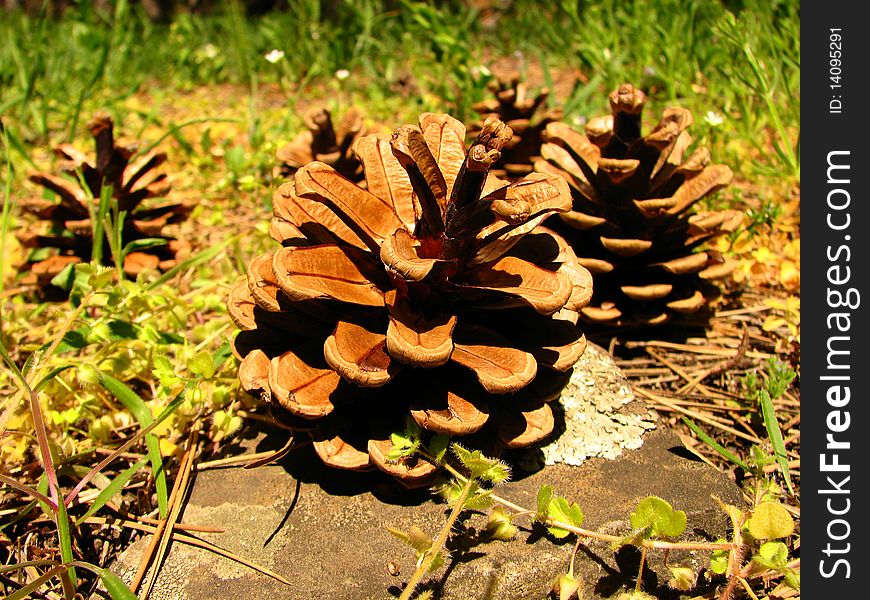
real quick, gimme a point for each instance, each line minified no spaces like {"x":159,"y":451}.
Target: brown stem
{"x":637,"y":584}
{"x":574,"y":556}
{"x":735,"y":562}
{"x":41,"y":431}
{"x":410,"y":149}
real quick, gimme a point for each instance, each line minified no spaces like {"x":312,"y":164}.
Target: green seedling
{"x":466,"y":492}
{"x":656,"y":518}
{"x":557,"y":508}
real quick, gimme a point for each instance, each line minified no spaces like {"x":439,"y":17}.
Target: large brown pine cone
{"x":321,"y":141}
{"x":70,"y":230}
{"x":632,"y":223}
{"x":526,"y":115}
{"x":427,"y":295}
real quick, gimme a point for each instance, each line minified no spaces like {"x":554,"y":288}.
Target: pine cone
{"x":426,"y":295}
{"x":71,"y":230}
{"x":527,"y":116}
{"x":632,"y":223}
{"x":322,"y":142}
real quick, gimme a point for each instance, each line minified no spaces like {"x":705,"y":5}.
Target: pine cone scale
{"x":71,"y":200}
{"x":543,"y":290}
{"x":499,"y":368}
{"x":385,"y":178}
{"x":313,"y":222}
{"x":401,"y":257}
{"x":526,"y":427}
{"x":303,"y":387}
{"x":414,"y":339}
{"x":448,"y":407}
{"x":338,"y":454}
{"x":445,"y":137}
{"x":316,"y":272}
{"x":368,"y":216}
{"x":359,"y":354}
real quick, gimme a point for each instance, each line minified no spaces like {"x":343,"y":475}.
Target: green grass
{"x":693,"y":52}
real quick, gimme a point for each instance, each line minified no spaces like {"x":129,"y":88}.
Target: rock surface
{"x":324,"y":530}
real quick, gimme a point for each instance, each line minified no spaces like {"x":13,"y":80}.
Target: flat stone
{"x":325,"y":530}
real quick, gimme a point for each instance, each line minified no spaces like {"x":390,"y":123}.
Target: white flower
{"x":209,"y":51}
{"x":342,"y":74}
{"x":478,"y":71}
{"x":713,"y":118}
{"x":274,"y":55}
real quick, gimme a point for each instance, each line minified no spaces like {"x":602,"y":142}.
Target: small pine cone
{"x":632,"y":223}
{"x":427,"y":295}
{"x":526,"y":115}
{"x":323,"y":142}
{"x":70,"y":229}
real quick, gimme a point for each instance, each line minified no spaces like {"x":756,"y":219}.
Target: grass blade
{"x":110,"y":490}
{"x":26,"y":489}
{"x":174,"y":129}
{"x":136,"y":405}
{"x":36,"y":583}
{"x":722,"y":450}
{"x":201,"y":257}
{"x":51,"y":375}
{"x":38,"y":425}
{"x":13,"y":142}
{"x":143,"y":244}
{"x":221,"y":355}
{"x":88,"y":88}
{"x":99,"y":223}
{"x":66,"y":553}
{"x":7,"y":209}
{"x":29,"y":563}
{"x":42,"y":488}
{"x":116,"y":587}
{"x":775,"y":436}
